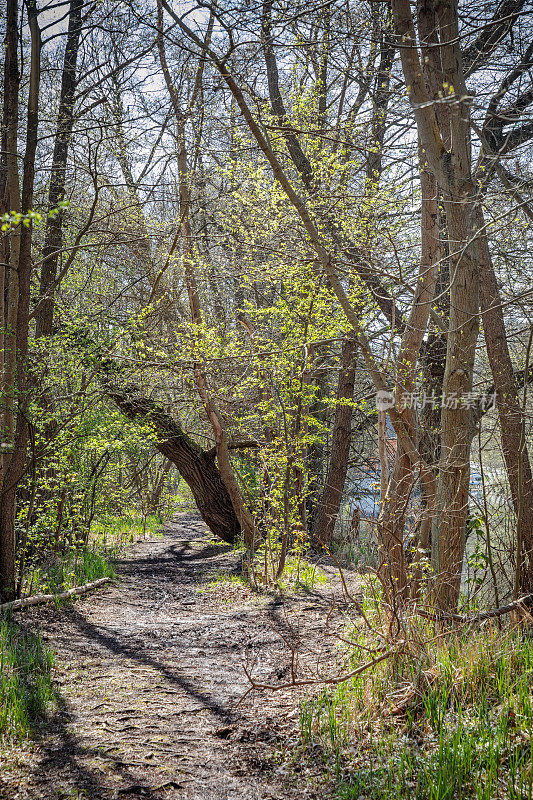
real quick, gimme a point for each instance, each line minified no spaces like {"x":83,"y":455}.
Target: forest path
{"x":150,"y":672}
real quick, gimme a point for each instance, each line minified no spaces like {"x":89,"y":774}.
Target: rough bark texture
{"x":7,"y":545}
{"x":56,"y":191}
{"x":329,"y":503}
{"x":10,"y":182}
{"x":197,"y":467}
{"x":450,"y":161}
{"x":17,"y":384}
{"x":511,"y":416}
{"x":457,"y":423}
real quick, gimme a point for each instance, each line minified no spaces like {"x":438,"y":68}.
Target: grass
{"x":118,"y":530}
{"x":73,"y":568}
{"x":25,"y":681}
{"x":227,"y":588}
{"x":224,"y":579}
{"x":298,"y":573}
{"x":108,"y":537}
{"x":301,"y":574}
{"x":451,"y":718}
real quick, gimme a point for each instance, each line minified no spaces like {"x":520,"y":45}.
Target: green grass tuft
{"x":90,"y":565}
{"x":301,"y":574}
{"x":26,"y":690}
{"x":74,"y":568}
{"x":117,"y":530}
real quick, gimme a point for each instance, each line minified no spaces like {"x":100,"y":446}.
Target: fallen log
{"x":40,"y":599}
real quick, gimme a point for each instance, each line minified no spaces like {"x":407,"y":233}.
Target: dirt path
{"x":150,"y":672}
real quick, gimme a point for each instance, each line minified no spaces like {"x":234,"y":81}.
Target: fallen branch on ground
{"x":523,"y":603}
{"x":39,"y":599}
{"x":294,"y":683}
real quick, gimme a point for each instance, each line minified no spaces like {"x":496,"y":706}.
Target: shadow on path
{"x":119,"y":648}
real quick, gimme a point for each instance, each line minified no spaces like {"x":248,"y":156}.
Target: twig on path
{"x":39,"y":599}
{"x":318,"y":680}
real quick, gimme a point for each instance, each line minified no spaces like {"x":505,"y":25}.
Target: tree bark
{"x":10,"y":202}
{"x":197,"y":467}
{"x":450,"y":162}
{"x":457,"y":423}
{"x":329,"y":503}
{"x":40,"y":599}
{"x":514,"y":446}
{"x":56,"y":191}
{"x":393,"y":509}
{"x":15,"y":378}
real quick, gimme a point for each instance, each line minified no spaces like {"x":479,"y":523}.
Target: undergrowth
{"x":449,"y":717}
{"x":299,"y":573}
{"x":116,"y":530}
{"x":76,"y":565}
{"x":75,"y":568}
{"x":26,"y":689}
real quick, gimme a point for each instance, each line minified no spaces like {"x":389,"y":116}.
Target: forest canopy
{"x":280,"y":252}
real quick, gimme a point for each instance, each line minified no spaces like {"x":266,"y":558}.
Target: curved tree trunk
{"x":226,"y":473}
{"x":196,"y":466}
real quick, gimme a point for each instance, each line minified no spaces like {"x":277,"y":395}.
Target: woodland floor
{"x":149,"y":674}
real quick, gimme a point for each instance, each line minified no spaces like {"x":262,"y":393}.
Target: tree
{"x":16,"y":268}
{"x":444,"y":135}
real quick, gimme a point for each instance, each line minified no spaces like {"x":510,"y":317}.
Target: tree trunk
{"x":445,"y":142}
{"x":329,"y":503}
{"x":11,"y":192}
{"x":457,"y":422}
{"x":56,"y":191}
{"x":393,"y":508}
{"x":155,"y":497}
{"x":511,"y":416}
{"x":197,"y":467}
{"x":7,"y":545}
{"x":15,"y":382}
